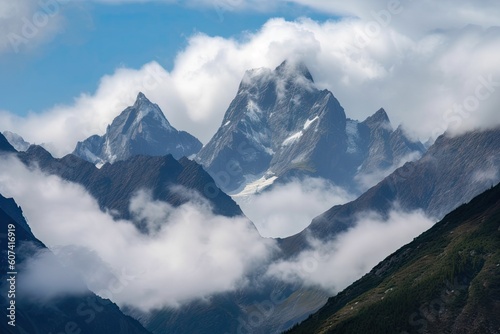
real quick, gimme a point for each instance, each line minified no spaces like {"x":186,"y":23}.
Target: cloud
{"x":60,"y":128}
{"x":436,"y":80}
{"x":43,"y":277}
{"x":335,"y":264}
{"x":165,"y":268}
{"x":488,"y":171}
{"x":25,"y":24}
{"x":287,"y":209}
{"x":415,"y":18}
{"x":367,"y":180}
{"x":419,"y":17}
{"x":486,"y":175}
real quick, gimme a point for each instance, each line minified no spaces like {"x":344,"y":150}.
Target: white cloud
{"x":61,"y":127}
{"x":431,"y":81}
{"x":367,"y":180}
{"x":43,"y":277}
{"x":25,"y":24}
{"x":421,"y":16}
{"x":487,"y":175}
{"x":415,"y":17}
{"x":287,"y":209}
{"x":166,"y":268}
{"x":335,"y":264}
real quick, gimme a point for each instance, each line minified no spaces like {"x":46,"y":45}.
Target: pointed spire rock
{"x":281,"y":125}
{"x":141,"y":129}
{"x":379,"y":119}
{"x":294,"y":68}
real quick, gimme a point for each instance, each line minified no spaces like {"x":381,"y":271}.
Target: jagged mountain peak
{"x":143,"y":110}
{"x":141,"y":96}
{"x":281,"y":124}
{"x":294,"y":68}
{"x":16,"y":141}
{"x":5,"y":145}
{"x":379,"y":119}
{"x":141,"y":129}
{"x":293,"y":71}
{"x":143,"y":101}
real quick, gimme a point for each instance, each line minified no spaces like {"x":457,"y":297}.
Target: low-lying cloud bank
{"x":287,"y":209}
{"x":43,"y":277}
{"x":191,"y":254}
{"x":335,"y":264}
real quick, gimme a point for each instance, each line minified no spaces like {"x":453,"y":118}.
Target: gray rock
{"x":141,"y":129}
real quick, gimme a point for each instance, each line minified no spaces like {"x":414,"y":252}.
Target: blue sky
{"x":421,"y":61}
{"x":98,"y":38}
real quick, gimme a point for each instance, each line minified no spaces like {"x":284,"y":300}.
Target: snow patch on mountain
{"x":308,"y":123}
{"x":292,"y":139}
{"x":281,"y":122}
{"x":256,"y":186}
{"x":253,"y":111}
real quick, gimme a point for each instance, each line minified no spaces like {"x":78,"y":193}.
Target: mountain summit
{"x":5,"y":146}
{"x":280,"y":125}
{"x":141,"y":129}
{"x":16,"y":141}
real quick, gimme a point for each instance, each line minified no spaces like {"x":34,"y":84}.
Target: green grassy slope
{"x":446,"y":281}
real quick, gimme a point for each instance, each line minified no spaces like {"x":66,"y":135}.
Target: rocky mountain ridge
{"x":280,"y":125}
{"x":141,"y":129}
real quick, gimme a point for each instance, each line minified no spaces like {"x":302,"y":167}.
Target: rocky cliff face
{"x":141,"y":129}
{"x":281,"y":125}
{"x":450,"y":173}
{"x":113,"y":185}
{"x":5,"y":146}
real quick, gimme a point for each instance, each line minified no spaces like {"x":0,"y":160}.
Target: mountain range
{"x":280,"y":125}
{"x":446,"y":281}
{"x":113,"y":185}
{"x":451,"y":172}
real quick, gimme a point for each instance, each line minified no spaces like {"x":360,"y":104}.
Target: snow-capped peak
{"x":141,"y":129}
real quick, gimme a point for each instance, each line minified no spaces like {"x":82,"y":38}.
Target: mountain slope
{"x":113,"y":185}
{"x":281,"y":125}
{"x":141,"y":129}
{"x":5,"y":146}
{"x":451,"y":172}
{"x":82,"y":312}
{"x":460,"y":158}
{"x":16,"y":141}
{"x":446,"y":281}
